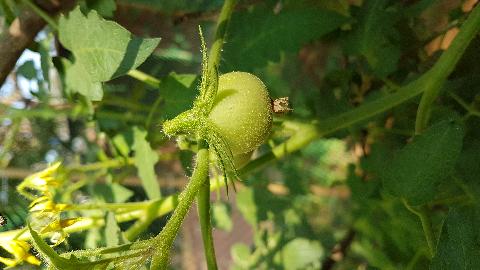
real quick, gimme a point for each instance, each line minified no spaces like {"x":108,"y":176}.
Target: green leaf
{"x":113,"y":233}
{"x":102,"y":49}
{"x":372,"y":37}
{"x":221,"y":216}
{"x":259,"y":36}
{"x":302,"y":252}
{"x":468,"y":168}
{"x":78,"y":81}
{"x":122,"y":143}
{"x":120,"y":193}
{"x":178,"y":91}
{"x":106,"y":8}
{"x":459,"y":244}
{"x":417,"y":169}
{"x":145,"y":159}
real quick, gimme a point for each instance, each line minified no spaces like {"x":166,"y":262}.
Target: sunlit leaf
{"x":102,"y":49}
{"x":145,"y":159}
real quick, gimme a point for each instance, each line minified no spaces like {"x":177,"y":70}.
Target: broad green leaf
{"x":221,"y":216}
{"x":302,"y":252}
{"x":106,"y":8}
{"x":145,"y":159}
{"x":259,"y":36}
{"x":78,"y":81}
{"x":459,"y":244}
{"x":417,"y":168}
{"x":178,"y":92}
{"x":373,"y":37}
{"x":102,"y":49}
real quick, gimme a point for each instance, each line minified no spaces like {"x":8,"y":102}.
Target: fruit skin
{"x":241,"y":160}
{"x":242,"y":111}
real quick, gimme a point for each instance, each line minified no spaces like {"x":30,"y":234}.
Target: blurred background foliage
{"x":324,"y":207}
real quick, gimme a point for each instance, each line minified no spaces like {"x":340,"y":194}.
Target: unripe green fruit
{"x":242,"y":111}
{"x":241,"y":160}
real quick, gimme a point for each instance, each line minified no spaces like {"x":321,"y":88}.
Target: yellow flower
{"x":40,"y":181}
{"x":45,"y":204}
{"x":20,"y":251}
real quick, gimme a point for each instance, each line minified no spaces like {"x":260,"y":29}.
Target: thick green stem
{"x":164,"y":240}
{"x":203,"y":202}
{"x":445,"y":66}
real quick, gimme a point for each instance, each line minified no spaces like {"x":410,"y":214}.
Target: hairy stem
{"x":203,"y":201}
{"x":164,"y":240}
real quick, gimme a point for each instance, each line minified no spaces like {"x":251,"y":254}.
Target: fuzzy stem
{"x":164,"y":240}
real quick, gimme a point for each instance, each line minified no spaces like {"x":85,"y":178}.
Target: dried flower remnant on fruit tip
{"x":3,"y":220}
{"x":281,"y":105}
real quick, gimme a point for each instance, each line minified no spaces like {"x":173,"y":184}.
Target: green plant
{"x":376,"y":165}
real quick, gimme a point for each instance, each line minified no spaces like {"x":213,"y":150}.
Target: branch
{"x":21,"y":33}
